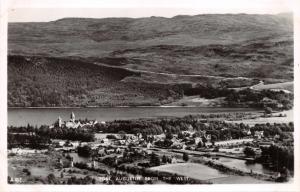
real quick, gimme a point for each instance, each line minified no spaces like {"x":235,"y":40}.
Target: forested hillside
{"x":41,"y":81}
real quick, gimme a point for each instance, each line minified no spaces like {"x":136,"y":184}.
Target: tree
{"x":200,"y":144}
{"x":213,"y":139}
{"x":180,"y":135}
{"x":249,"y":152}
{"x":51,"y":178}
{"x":84,"y":151}
{"x":268,"y":110}
{"x":197,"y":134}
{"x":154,"y":159}
{"x":164,"y":159}
{"x":185,"y":157}
{"x":122,"y":134}
{"x":169,"y":136}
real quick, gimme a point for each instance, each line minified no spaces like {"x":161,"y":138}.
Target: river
{"x":242,"y":165}
{"x":47,"y":116}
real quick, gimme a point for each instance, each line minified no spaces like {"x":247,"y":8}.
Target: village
{"x":154,"y":155}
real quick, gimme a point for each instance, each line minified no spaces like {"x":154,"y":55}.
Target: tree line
{"x":38,"y":138}
{"x":219,"y":130}
{"x":277,"y":157}
{"x":252,"y":98}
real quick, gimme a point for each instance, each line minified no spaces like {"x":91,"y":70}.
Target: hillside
{"x":216,"y":48}
{"x":52,"y":82}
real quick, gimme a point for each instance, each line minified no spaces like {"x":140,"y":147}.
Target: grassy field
{"x":203,"y":172}
{"x":192,"y":170}
{"x":41,"y":165}
{"x":289,"y":118}
{"x":289,"y":86}
{"x":197,"y":102}
{"x":235,"y":179}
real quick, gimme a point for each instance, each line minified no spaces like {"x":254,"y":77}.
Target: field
{"x":203,"y":172}
{"x":289,"y":118}
{"x":192,"y":170}
{"x":39,"y":166}
{"x":289,"y":86}
{"x":196,"y":101}
{"x":234,"y":179}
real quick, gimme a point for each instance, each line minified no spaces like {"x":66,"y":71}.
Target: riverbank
{"x":208,"y":173}
{"x":234,"y":171}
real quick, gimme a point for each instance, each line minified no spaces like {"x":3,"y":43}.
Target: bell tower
{"x":72,"y":117}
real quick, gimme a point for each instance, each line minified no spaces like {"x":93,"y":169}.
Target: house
{"x":74,"y":144}
{"x":110,"y":151}
{"x":197,"y":140}
{"x":92,"y":164}
{"x":173,"y":160}
{"x":176,"y":145}
{"x":58,"y":143}
{"x":121,"y":142}
{"x":265,"y":143}
{"x":25,"y":151}
{"x":139,"y":136}
{"x":101,"y":152}
{"x":149,"y":145}
{"x":105,"y":141}
{"x":118,"y":150}
{"x":208,"y":138}
{"x":276,"y":137}
{"x":190,"y":128}
{"x":248,"y":132}
{"x":128,"y":141}
{"x":258,"y":134}
{"x":71,"y":124}
{"x":94,"y":145}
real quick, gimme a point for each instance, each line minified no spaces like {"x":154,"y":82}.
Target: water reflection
{"x":241,"y":164}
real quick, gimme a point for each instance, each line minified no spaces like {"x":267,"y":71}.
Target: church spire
{"x":72,"y":117}
{"x":59,"y":122}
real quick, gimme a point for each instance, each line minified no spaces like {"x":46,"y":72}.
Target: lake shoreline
{"x":47,"y":116}
{"x":142,"y":106}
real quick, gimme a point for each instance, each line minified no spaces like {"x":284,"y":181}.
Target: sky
{"x":49,"y":10}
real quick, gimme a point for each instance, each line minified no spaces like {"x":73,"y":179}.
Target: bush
{"x":185,"y":157}
{"x":84,"y":151}
{"x":154,"y":160}
{"x":249,"y":152}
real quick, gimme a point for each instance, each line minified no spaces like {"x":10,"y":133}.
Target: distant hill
{"x":221,"y":45}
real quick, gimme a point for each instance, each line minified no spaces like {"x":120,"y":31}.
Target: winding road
{"x":170,"y":74}
{"x":258,"y":86}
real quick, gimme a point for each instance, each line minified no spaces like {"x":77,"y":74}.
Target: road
{"x":170,"y":74}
